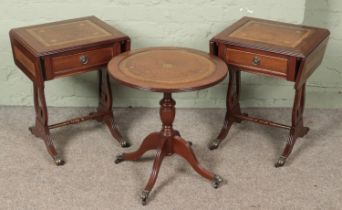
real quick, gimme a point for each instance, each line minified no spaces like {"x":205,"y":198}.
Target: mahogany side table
{"x":65,"y":48}
{"x":167,"y":70}
{"x":286,"y":51}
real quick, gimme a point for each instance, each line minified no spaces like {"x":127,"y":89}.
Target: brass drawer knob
{"x":83,"y":59}
{"x":256,"y":61}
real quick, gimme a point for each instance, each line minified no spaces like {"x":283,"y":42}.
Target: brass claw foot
{"x":125,"y":144}
{"x":119,"y":159}
{"x":217,"y":180}
{"x":59,"y":161}
{"x":214,"y":144}
{"x":144,"y":196}
{"x":281,"y":162}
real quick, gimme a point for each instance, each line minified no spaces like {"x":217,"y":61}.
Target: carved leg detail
{"x":105,"y":106}
{"x":301,"y":130}
{"x":232,"y":104}
{"x":182,"y":148}
{"x":113,"y":128}
{"x":39,"y":132}
{"x":52,"y":151}
{"x":41,"y":129}
{"x":287,"y":150}
{"x":228,"y":122}
{"x":151,"y":142}
{"x":297,"y":128}
{"x":154,"y":175}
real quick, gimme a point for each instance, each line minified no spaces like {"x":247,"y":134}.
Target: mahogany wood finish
{"x":48,"y":51}
{"x":275,"y":49}
{"x":167,"y":70}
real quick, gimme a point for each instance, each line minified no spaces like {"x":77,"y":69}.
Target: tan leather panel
{"x":271,"y":33}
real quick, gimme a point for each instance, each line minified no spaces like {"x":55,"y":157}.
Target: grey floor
{"x":312,"y":178}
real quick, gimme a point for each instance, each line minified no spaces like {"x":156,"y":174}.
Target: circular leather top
{"x":167,"y":69}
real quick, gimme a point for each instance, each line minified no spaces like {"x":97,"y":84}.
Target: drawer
{"x":78,"y":62}
{"x":258,"y":62}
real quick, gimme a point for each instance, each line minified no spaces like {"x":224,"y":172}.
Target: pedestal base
{"x":167,"y":142}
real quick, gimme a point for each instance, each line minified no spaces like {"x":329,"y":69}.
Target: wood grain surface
{"x":272,"y":36}
{"x":61,"y":36}
{"x":167,"y":69}
{"x":292,"y":52}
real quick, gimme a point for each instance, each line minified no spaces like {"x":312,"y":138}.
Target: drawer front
{"x":81,"y":61}
{"x":258,"y":62}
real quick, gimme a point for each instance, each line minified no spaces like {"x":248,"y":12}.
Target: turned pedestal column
{"x":167,"y":70}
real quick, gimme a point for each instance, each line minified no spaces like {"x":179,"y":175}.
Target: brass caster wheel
{"x":144,"y":196}
{"x":216,"y":181}
{"x":125,"y":144}
{"x":59,"y":161}
{"x":119,"y":159}
{"x":281,"y":162}
{"x":214,"y":144}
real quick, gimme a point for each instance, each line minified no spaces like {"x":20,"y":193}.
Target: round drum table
{"x":167,"y":70}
